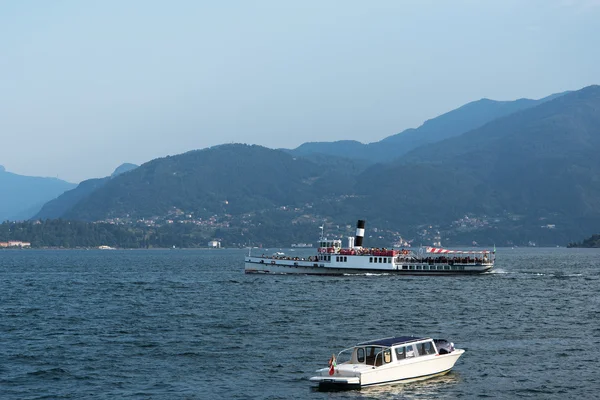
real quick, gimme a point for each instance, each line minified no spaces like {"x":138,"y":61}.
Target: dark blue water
{"x":182,"y":324}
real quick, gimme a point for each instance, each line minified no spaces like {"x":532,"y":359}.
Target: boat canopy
{"x":438,"y":250}
{"x":387,"y":342}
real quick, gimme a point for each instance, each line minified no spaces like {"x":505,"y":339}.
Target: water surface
{"x":168,"y":324}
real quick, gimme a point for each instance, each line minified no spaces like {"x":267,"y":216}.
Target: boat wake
{"x":556,"y":275}
{"x":498,"y":271}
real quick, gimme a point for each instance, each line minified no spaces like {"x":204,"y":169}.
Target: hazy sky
{"x":86,"y":86}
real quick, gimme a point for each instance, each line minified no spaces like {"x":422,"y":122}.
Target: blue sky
{"x":86,"y":86}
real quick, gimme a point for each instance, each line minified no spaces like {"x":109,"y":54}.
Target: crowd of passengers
{"x":429,"y":260}
{"x":276,"y":257}
{"x":445,"y":260}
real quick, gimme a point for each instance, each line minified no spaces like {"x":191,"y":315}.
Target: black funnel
{"x":360,"y":233}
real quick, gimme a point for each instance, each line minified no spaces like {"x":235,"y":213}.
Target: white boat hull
{"x":266,"y":265}
{"x":352,"y":376}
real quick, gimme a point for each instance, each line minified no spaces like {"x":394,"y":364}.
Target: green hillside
{"x":59,"y":206}
{"x":233,"y":179}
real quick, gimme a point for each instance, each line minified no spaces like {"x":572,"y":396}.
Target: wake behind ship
{"x":333,"y":259}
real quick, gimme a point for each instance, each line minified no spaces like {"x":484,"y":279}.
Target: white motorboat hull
{"x":351,"y":376}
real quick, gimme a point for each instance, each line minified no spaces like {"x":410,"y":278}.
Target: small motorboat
{"x":386,"y":361}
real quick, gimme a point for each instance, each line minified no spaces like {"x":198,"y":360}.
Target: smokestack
{"x":360,"y":233}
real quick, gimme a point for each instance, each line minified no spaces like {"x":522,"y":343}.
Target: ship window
{"x":447,"y":267}
{"x":418,"y":267}
{"x":360,"y":355}
{"x":370,"y":259}
{"x":405,"y":267}
{"x":410,"y":352}
{"x":426,"y":267}
{"x":380,"y":259}
{"x":390,"y":260}
{"x":385,"y":260}
{"x":411,"y":267}
{"x":375,"y":259}
{"x":345,"y":259}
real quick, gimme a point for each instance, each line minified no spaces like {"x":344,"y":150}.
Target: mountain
{"x":529,"y":176}
{"x":450,"y":124}
{"x":22,"y":196}
{"x":57,"y":207}
{"x":538,"y":166}
{"x":121,"y":169}
{"x":232,"y":179}
{"x":341,"y":148}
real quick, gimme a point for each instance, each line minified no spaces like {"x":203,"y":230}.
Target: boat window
{"x":387,"y":356}
{"x":374,"y":356}
{"x":375,"y":260}
{"x":385,"y":260}
{"x":389,"y":260}
{"x":370,"y":259}
{"x":410,"y":352}
{"x":425,"y":348}
{"x":400,"y":353}
{"x":429,"y":349}
{"x":380,"y":260}
{"x":360,"y":355}
{"x":345,"y":259}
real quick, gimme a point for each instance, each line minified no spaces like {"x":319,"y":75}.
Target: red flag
{"x":331,"y":370}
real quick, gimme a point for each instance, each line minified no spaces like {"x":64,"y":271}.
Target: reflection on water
{"x":433,"y":388}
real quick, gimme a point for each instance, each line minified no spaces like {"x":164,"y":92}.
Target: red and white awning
{"x":438,"y":250}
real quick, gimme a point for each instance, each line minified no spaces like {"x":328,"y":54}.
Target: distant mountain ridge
{"x":22,"y":196}
{"x":451,"y":124}
{"x":528,"y":174}
{"x":539,"y":164}
{"x":57,"y":207}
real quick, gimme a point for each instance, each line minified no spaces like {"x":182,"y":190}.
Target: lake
{"x":189,"y":324}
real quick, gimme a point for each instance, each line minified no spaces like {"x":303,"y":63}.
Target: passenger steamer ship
{"x":333,"y":259}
